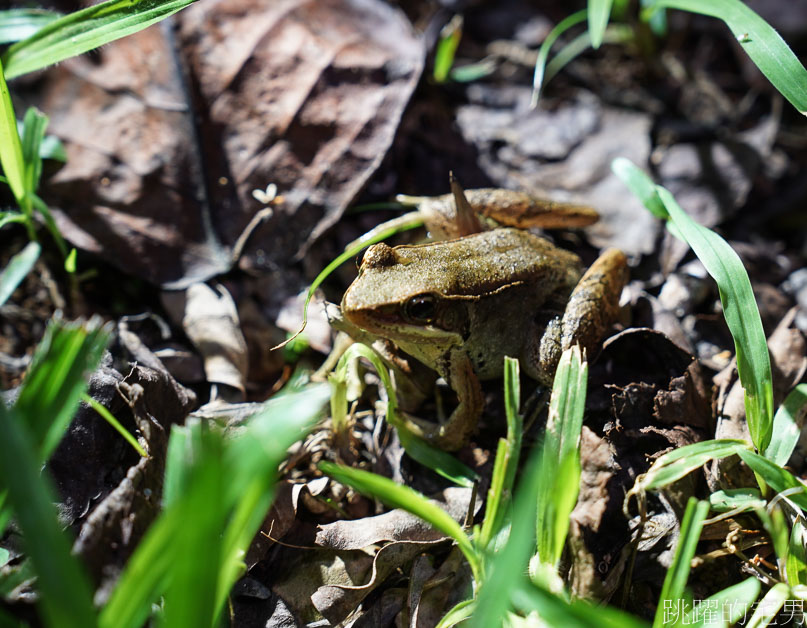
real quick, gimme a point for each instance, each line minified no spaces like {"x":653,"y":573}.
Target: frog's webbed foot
{"x":455,"y":432}
{"x":592,"y":308}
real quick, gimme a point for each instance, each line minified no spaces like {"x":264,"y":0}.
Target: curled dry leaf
{"x":165,"y":147}
{"x":210,"y":320}
{"x":645,"y":397}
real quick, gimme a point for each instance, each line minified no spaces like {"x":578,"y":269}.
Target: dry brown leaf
{"x":210,"y":320}
{"x":165,"y":147}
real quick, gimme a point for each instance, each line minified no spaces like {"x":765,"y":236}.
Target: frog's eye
{"x":421,"y":308}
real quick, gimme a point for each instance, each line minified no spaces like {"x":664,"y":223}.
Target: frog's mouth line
{"x":389,"y":324}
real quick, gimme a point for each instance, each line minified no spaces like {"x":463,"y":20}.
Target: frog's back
{"x":487,"y":262}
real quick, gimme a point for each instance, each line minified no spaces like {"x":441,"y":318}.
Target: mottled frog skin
{"x":460,"y":306}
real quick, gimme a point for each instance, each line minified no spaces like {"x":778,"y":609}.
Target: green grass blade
{"x":146,"y":575}
{"x":555,"y":611}
{"x":778,"y":478}
{"x":733,"y":602}
{"x":676,"y":578}
{"x":507,"y":455}
{"x":457,"y":614}
{"x":416,"y":448}
{"x":736,"y":296}
{"x":403,"y":223}
{"x":17,"y":24}
{"x":190,"y":596}
{"x":65,"y":594}
{"x":50,"y":223}
{"x":742,"y":317}
{"x":84,"y":30}
{"x":218,"y":485}
{"x":473,"y":71}
{"x":58,"y":376}
{"x":450,"y":37}
{"x":658,"y":19}
{"x":252,"y":466}
{"x":560,"y":456}
{"x":17,"y":269}
{"x":52,"y":148}
{"x":769,"y":606}
{"x":674,"y":465}
{"x":614,"y":33}
{"x":598,"y":13}
{"x":399,"y":496}
{"x":33,"y":132}
{"x":10,"y":146}
{"x":796,"y":563}
{"x":760,"y":41}
{"x":543,"y":52}
{"x":509,"y":565}
{"x":642,"y":186}
{"x":110,"y":418}
{"x":786,"y":427}
{"x":9,"y":217}
{"x":740,"y":499}
{"x":176,"y":477}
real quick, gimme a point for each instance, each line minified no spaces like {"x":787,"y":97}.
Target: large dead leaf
{"x":165,"y":146}
{"x":564,"y":154}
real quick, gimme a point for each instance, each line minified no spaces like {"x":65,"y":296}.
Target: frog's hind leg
{"x":594,"y":304}
{"x":455,"y":432}
{"x":592,"y":308}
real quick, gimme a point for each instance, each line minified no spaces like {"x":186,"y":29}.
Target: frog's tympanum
{"x":460,"y":306}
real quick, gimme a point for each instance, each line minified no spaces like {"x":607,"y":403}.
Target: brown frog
{"x":460,"y":306}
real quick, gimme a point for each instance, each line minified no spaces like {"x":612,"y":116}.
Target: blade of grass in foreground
{"x":679,"y":462}
{"x":191,"y":590}
{"x":52,"y":389}
{"x":579,"y":613}
{"x":598,"y":13}
{"x":786,"y":427}
{"x":769,"y":606}
{"x":249,"y":460}
{"x":534,"y":501}
{"x":17,"y":24}
{"x":507,"y":456}
{"x":64,"y":591}
{"x":509,"y":565}
{"x":763,"y":44}
{"x":560,"y":456}
{"x":736,"y":296}
{"x":796,"y":563}
{"x":17,"y":269}
{"x":10,"y":145}
{"x":674,"y":582}
{"x":399,"y":496}
{"x":252,"y":463}
{"x":84,"y":30}
{"x":778,"y":478}
{"x":734,"y":602}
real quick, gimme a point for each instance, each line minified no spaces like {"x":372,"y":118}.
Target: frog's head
{"x":402,"y":294}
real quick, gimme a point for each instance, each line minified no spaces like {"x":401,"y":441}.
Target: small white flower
{"x":265,"y":196}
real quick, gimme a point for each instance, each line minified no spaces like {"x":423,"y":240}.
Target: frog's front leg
{"x":592,"y":308}
{"x":457,"y":429}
